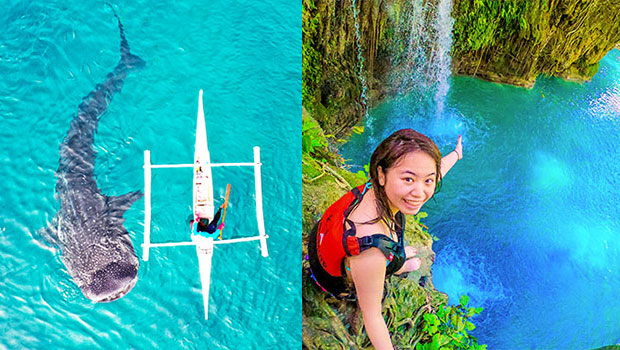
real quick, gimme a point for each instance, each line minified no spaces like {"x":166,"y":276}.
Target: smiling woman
{"x":369,"y":223}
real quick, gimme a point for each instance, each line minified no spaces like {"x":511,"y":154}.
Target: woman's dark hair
{"x":388,"y":153}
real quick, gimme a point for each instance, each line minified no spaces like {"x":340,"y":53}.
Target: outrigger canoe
{"x":203,"y":204}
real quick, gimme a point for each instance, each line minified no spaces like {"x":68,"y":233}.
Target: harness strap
{"x":349,"y":241}
{"x":381,"y":241}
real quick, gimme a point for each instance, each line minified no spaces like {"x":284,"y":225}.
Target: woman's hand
{"x":459,"y":148}
{"x":412,"y":263}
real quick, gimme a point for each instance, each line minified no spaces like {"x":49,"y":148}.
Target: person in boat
{"x":204,"y":225}
{"x":405,"y":170}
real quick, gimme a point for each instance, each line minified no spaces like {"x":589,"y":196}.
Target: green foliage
{"x":311,"y":57}
{"x":363,"y":175}
{"x":310,"y":167}
{"x":448,"y":328}
{"x":482,"y":23}
{"x":359,"y":129}
{"x":312,"y":138}
{"x":417,"y":218}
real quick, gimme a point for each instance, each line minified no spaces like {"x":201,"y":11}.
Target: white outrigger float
{"x":203,"y":205}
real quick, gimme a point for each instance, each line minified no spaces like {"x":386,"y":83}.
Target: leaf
{"x":470,"y":326}
{"x":443,"y":339}
{"x":358,"y":129}
{"x":464,"y":300}
{"x":361,"y":175}
{"x":441,"y":312}
{"x":435,"y":342}
{"x":457,"y":322}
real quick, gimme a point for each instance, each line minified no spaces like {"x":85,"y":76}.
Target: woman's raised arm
{"x":368,"y":273}
{"x":450,"y":159}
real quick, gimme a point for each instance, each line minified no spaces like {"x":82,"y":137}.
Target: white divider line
{"x":147,"y":205}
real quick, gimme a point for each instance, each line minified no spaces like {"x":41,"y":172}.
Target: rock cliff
{"x":515,"y":41}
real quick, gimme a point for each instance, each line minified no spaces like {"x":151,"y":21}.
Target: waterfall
{"x":360,"y":59}
{"x":444,"y":24}
{"x":428,"y":58}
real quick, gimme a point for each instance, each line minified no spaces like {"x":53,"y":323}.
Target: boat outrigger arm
{"x":203,"y":204}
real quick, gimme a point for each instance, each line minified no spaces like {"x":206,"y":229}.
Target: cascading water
{"x":360,"y":59}
{"x":428,"y":57}
{"x":418,"y":42}
{"x":443,"y":59}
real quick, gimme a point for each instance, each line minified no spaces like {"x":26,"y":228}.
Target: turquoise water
{"x":246,"y":56}
{"x":528,"y":220}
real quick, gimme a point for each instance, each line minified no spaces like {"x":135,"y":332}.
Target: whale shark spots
{"x":96,"y":248}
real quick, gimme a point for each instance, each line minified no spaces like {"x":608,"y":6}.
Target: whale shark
{"x":95,"y":247}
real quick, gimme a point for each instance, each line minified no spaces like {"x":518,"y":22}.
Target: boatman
{"x":204,"y":225}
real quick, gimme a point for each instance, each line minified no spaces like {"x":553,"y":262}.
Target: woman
{"x":404,"y":172}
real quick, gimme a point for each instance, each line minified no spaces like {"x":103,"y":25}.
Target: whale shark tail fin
{"x":128,"y":59}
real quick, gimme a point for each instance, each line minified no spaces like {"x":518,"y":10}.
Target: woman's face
{"x":410,"y":182}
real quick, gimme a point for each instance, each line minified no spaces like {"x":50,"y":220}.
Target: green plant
{"x":358,"y":129}
{"x":417,"y":218}
{"x":311,"y":57}
{"x":362,"y":175}
{"x":449,"y":327}
{"x":482,"y":23}
{"x":312,"y":138}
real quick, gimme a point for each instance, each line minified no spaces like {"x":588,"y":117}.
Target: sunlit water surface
{"x":246,"y":56}
{"x":528,"y":221}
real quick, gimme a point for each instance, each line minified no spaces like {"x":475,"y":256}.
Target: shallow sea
{"x":246,"y":56}
{"x":528,"y":221}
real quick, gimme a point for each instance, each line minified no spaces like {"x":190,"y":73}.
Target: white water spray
{"x":428,"y":55}
{"x":360,"y":59}
{"x":444,"y":23}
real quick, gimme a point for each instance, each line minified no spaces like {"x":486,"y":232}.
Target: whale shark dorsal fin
{"x":119,"y":204}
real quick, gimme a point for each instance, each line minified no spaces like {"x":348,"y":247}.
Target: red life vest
{"x":334,"y":240}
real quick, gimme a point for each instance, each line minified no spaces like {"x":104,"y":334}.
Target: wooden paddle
{"x":225,"y":205}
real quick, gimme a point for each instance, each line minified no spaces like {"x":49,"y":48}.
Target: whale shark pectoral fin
{"x":50,"y":233}
{"x":119,"y":204}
